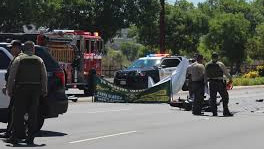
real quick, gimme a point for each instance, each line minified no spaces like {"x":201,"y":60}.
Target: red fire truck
{"x":78,"y":52}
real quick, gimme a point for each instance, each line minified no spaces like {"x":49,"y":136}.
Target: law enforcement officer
{"x":15,"y":50}
{"x":197,"y":71}
{"x":189,"y":79}
{"x":27,"y":82}
{"x":214,"y":72}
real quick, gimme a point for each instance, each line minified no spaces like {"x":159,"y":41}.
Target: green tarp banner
{"x":108,"y":92}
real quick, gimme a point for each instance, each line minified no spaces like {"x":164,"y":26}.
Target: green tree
{"x":255,"y":45}
{"x":131,"y":50}
{"x":15,"y":13}
{"x":228,"y":35}
{"x":185,"y":26}
{"x":105,"y":16}
{"x":147,"y":22}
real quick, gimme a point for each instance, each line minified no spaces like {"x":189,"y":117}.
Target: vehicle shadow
{"x":45,"y":133}
{"x":25,"y":145}
{"x":42,"y":133}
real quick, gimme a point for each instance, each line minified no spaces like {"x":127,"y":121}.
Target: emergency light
{"x":96,"y":34}
{"x":158,"y":55}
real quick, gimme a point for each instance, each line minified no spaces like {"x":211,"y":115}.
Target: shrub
{"x":260,"y":70}
{"x":248,"y":81}
{"x":251,"y":74}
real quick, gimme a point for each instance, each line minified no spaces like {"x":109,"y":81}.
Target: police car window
{"x":145,"y":63}
{"x":170,"y":63}
{"x":4,"y":60}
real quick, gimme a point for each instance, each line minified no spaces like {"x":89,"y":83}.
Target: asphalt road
{"x":155,"y":126}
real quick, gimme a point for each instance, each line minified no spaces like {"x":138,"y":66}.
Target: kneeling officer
{"x":27,"y":82}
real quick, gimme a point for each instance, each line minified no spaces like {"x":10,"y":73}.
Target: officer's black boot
{"x":213,"y":107}
{"x":29,"y":141}
{"x":12,"y":140}
{"x":215,"y":113}
{"x":226,"y":112}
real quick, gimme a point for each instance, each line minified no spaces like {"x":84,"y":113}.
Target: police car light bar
{"x":158,"y":55}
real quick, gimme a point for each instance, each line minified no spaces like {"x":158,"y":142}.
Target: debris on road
{"x":259,"y":100}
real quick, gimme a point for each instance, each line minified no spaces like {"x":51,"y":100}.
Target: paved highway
{"x":155,"y":126}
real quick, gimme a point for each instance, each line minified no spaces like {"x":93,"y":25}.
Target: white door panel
{"x":4,"y":99}
{"x":5,"y":58}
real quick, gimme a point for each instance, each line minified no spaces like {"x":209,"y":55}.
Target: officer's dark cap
{"x":199,"y":57}
{"x":214,"y":55}
{"x":28,"y":46}
{"x":15,"y":43}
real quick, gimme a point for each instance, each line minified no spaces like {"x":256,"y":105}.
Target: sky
{"x":195,"y":2}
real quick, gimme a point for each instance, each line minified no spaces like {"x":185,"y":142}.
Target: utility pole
{"x":162,"y":26}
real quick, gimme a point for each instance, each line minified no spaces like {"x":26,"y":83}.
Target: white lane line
{"x":102,"y":137}
{"x":119,"y":110}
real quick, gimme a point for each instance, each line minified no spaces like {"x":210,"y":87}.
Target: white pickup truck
{"x":5,"y":58}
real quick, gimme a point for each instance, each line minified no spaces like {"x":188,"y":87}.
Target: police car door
{"x":5,"y":58}
{"x":168,"y":65}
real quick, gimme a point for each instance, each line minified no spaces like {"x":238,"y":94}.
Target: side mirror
{"x":163,"y":66}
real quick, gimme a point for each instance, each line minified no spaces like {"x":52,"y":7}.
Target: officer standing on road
{"x":197,"y":71}
{"x":189,"y":79}
{"x":214,"y":72}
{"x":27,"y":82}
{"x":15,"y":50}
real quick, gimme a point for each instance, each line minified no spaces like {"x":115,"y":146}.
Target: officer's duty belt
{"x":215,"y":80}
{"x":27,"y":83}
{"x":198,"y":81}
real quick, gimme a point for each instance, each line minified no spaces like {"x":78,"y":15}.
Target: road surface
{"x":155,"y":126}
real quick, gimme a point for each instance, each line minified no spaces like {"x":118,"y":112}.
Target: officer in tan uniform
{"x":27,"y":81}
{"x":15,"y":50}
{"x":197,"y":71}
{"x":214,"y":72}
